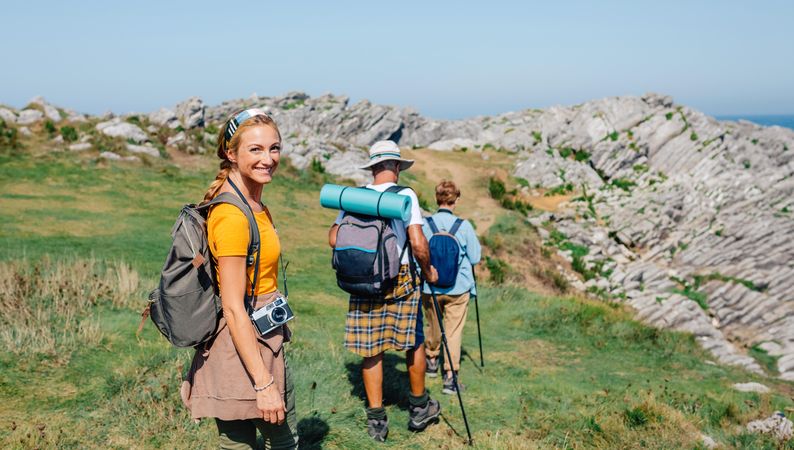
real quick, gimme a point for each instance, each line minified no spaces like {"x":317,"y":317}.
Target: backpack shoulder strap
{"x":254,"y":245}
{"x":396,"y":188}
{"x":456,"y":226}
{"x":253,"y":228}
{"x":432,"y":224}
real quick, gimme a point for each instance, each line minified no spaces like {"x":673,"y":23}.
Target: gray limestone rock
{"x":751,"y":387}
{"x":80,"y":146}
{"x":111,"y":156}
{"x":8,"y":115}
{"x":176,"y":139}
{"x":50,"y":111}
{"x":165,"y":117}
{"x":143,"y":149}
{"x":125,"y":130}
{"x":776,"y":425}
{"x":452,"y":144}
{"x":191,"y":113}
{"x":29,"y":116}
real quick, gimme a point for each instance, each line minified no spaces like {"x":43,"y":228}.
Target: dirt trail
{"x":471,"y":173}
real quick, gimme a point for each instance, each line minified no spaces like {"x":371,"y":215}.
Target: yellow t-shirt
{"x":228,"y":235}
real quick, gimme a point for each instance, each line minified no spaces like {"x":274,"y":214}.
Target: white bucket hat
{"x":385,"y":151}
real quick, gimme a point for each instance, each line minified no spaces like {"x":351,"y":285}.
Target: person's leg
{"x":422,"y":409}
{"x":415,"y":359}
{"x":236,"y":434}
{"x":284,"y":436}
{"x":372,"y":374}
{"x":433,"y":336}
{"x":455,"y":312}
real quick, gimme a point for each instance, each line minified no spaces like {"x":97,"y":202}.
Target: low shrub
{"x":69,"y":133}
{"x":496,"y":188}
{"x":497,"y":268}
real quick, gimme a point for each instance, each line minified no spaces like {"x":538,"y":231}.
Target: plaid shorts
{"x":394,"y":322}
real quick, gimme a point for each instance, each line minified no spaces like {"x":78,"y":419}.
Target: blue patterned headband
{"x":236,"y":121}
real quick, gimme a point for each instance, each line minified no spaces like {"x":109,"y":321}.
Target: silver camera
{"x":272,"y":315}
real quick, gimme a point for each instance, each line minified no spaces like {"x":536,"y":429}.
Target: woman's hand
{"x":270,"y":403}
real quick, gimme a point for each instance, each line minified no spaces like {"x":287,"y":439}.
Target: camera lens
{"x":278,"y":315}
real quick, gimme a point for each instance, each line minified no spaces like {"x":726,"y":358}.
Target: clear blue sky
{"x":447,"y":60}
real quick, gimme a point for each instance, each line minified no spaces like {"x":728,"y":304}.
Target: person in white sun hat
{"x":393,"y":321}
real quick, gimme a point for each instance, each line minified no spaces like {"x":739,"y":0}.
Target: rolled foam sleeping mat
{"x":366,"y":201}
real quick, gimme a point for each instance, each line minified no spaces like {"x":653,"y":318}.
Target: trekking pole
{"x":477,"y":310}
{"x":449,"y":357}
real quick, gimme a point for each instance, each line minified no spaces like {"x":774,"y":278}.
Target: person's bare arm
{"x":332,"y":235}
{"x":234,"y":280}
{"x":421,"y":252}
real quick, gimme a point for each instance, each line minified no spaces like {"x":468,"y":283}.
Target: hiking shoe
{"x":432,"y":367}
{"x":422,"y":416}
{"x":378,"y":429}
{"x":450,"y":387}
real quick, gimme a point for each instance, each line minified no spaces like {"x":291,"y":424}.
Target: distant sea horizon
{"x":783,"y":120}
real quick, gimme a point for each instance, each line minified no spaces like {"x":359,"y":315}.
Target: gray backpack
{"x":186,"y":307}
{"x":366,"y":257}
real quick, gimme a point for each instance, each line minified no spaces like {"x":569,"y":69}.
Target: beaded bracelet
{"x":260,"y":389}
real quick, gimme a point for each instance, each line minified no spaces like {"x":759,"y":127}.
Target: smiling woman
{"x":241,"y":378}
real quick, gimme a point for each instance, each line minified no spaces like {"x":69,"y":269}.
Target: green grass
{"x":559,"y":372}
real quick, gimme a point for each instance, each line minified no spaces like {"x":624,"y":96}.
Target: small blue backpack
{"x":445,"y":253}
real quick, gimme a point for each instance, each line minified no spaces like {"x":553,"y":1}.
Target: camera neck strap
{"x":258,"y":249}
{"x":252,"y":246}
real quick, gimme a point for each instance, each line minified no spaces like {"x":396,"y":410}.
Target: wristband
{"x":260,"y":389}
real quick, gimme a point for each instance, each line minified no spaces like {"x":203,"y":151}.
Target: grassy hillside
{"x":81,"y":244}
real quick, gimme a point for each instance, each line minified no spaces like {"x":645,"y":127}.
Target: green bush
{"x":69,"y":133}
{"x":565,"y":188}
{"x":581,"y":156}
{"x":693,"y":136}
{"x":623,"y":183}
{"x":293,"y":105}
{"x":635,"y":417}
{"x":49,"y":126}
{"x":516,"y":204}
{"x":496,"y":188}
{"x":8,"y":136}
{"x":317,"y":166}
{"x":497,"y":268}
{"x":613,"y":136}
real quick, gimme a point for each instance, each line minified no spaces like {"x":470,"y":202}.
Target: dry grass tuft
{"x":48,"y":305}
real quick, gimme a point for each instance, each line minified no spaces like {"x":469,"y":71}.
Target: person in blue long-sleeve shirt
{"x":453,"y":301}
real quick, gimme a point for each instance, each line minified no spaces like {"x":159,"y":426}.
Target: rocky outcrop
{"x":689,"y":222}
{"x":50,"y":111}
